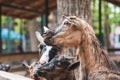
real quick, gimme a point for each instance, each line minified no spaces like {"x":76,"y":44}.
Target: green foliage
{"x":3,"y":20}
{"x":112,"y":11}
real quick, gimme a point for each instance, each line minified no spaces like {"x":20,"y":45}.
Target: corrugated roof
{"x":27,"y":9}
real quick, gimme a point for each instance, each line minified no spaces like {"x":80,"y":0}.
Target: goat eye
{"x":66,"y":23}
{"x":42,"y":46}
{"x":45,"y":33}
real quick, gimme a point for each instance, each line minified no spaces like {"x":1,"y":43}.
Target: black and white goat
{"x":47,"y":52}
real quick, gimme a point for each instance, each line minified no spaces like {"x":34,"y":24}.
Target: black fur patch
{"x":52,"y":53}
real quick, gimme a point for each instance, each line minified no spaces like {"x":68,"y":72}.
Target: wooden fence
{"x":16,"y":57}
{"x":10,"y":76}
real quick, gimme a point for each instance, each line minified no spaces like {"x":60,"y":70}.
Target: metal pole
{"x":100,"y":18}
{"x":100,"y":23}
{"x":44,"y":21}
{"x":0,"y":28}
{"x":46,"y":12}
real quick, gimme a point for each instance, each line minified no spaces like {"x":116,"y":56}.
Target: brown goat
{"x":56,"y":69}
{"x":77,"y":33}
{"x":30,"y":69}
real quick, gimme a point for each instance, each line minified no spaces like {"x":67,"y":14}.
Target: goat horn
{"x":39,"y":37}
{"x":45,"y":29}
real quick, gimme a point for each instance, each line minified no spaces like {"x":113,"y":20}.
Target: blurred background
{"x":19,"y":19}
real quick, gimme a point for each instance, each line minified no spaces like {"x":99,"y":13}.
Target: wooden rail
{"x":115,"y":57}
{"x":10,"y":76}
{"x":113,"y":49}
{"x":16,"y":57}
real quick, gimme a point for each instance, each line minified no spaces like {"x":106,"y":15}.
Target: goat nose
{"x":36,"y":76}
{"x":42,"y":62}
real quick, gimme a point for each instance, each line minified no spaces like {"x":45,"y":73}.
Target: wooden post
{"x":33,"y":40}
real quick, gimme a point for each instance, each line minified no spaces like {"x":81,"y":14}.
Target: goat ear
{"x":45,"y":29}
{"x":26,"y":66}
{"x":73,"y":66}
{"x":39,"y":37}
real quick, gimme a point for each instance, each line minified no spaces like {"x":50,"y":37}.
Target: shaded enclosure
{"x":20,"y":21}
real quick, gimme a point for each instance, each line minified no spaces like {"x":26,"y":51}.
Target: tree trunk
{"x":106,"y":26}
{"x":79,"y":8}
{"x":33,"y":40}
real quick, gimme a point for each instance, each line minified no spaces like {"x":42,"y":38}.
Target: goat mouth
{"x":39,"y":74}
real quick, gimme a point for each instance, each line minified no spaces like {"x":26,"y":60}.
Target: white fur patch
{"x":45,"y":55}
{"x":39,"y":37}
{"x":45,"y":29}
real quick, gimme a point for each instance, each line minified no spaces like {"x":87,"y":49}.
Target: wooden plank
{"x":15,"y":57}
{"x":113,"y":49}
{"x":115,"y":57}
{"x":10,"y":76}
